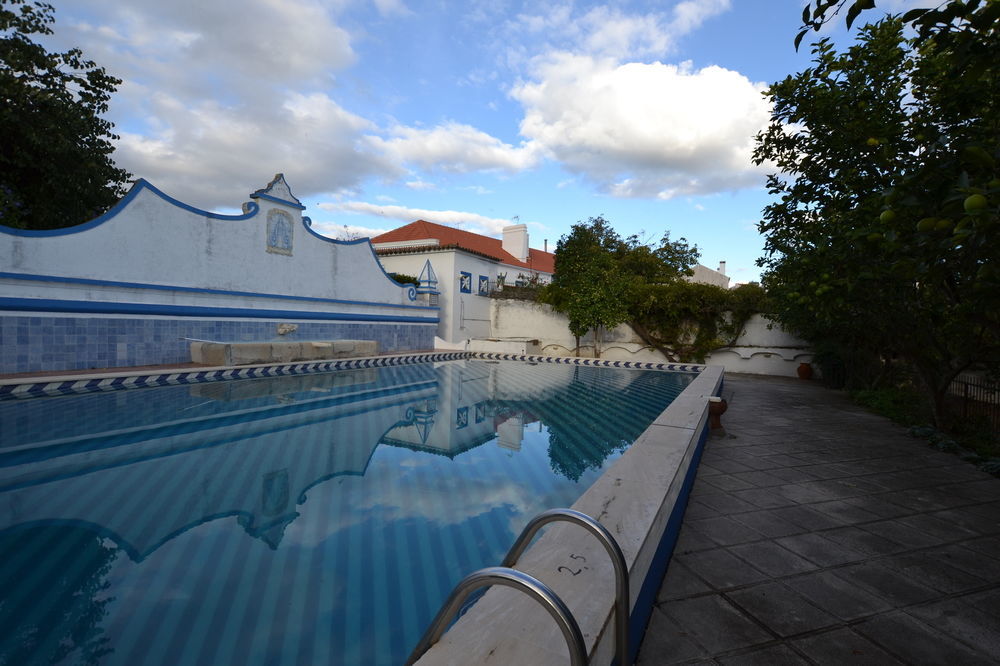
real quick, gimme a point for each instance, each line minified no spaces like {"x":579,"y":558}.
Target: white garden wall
{"x":764,"y":348}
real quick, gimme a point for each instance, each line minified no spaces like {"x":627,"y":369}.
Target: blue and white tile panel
{"x":92,"y":385}
{"x":572,"y":360}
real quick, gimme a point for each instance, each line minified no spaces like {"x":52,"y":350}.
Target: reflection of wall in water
{"x":258,"y":470}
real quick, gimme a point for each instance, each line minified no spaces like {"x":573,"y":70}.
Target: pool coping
{"x":641,"y":499}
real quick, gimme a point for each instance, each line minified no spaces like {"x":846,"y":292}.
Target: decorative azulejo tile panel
{"x":38,"y":344}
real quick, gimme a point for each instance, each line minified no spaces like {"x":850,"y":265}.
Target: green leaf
{"x":798,"y":38}
{"x":913,"y":15}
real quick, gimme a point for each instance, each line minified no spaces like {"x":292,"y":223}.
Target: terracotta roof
{"x":544,"y":262}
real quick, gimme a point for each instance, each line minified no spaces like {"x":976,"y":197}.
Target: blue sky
{"x":475,"y":114}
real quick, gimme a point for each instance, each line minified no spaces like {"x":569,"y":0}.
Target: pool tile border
{"x":573,"y":360}
{"x":113,"y":382}
{"x":110,"y":381}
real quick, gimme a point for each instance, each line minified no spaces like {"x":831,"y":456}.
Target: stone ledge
{"x":636,"y":499}
{"x":250,"y":353}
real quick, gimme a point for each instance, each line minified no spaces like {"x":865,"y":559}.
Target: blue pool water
{"x":318,"y":519}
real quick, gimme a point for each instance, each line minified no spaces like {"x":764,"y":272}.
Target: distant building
{"x":460,"y":269}
{"x":706,"y":275}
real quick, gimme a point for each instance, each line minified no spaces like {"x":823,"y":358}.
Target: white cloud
{"x":477,"y":189}
{"x":420,"y":185}
{"x":464,"y":220}
{"x":218,"y":96}
{"x":644,"y":130}
{"x":207,"y":150}
{"x":605,"y":31}
{"x":455,"y":147}
{"x":392,"y":8}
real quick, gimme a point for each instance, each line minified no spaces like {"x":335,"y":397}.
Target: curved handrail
{"x":617,"y":559}
{"x":510,"y":578}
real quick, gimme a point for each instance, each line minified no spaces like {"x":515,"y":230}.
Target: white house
{"x":462,"y":268}
{"x":706,"y":275}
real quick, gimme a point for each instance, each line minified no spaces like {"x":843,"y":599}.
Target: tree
{"x":873,"y":249}
{"x":951,"y":23}
{"x":588,"y":285}
{"x":602,"y":280}
{"x":56,"y":168}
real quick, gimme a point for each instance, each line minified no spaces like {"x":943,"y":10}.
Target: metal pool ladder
{"x":510,"y":577}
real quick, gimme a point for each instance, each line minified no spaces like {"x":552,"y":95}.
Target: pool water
{"x":293,"y":520}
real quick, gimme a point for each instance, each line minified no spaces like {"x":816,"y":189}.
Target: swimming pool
{"x":320,"y":518}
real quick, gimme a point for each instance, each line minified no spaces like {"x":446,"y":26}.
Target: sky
{"x":476,"y":114}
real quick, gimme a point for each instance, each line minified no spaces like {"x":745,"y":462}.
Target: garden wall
{"x":764,"y":348}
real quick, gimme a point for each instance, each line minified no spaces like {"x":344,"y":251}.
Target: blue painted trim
{"x":261,"y":195}
{"x":646,"y":598}
{"x":99,"y":307}
{"x":199,"y":290}
{"x":411,"y":290}
{"x":140,"y":185}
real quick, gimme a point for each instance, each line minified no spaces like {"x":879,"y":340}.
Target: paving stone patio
{"x":820,"y":533}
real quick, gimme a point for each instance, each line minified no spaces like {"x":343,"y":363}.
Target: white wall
{"x":129,"y":287}
{"x":764,"y":348}
{"x":149,"y":238}
{"x":463,"y":316}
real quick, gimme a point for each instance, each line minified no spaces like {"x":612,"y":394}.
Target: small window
{"x":465,"y":282}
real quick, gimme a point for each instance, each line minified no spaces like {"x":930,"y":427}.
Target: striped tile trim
{"x":39,"y":389}
{"x":572,"y":360}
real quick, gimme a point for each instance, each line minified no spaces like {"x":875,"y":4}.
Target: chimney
{"x":722,"y":267}
{"x":515,"y":241}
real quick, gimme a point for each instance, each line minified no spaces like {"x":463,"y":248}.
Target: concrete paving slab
{"x":728,"y":482}
{"x":899,"y":590}
{"x":722,"y":569}
{"x":715,"y":623}
{"x":847,"y":514}
{"x":813,"y":546}
{"x":667,"y":642}
{"x":900,"y":532}
{"x":932,"y":571}
{"x":866,"y":542}
{"x":772,"y":559}
{"x":917,"y":643}
{"x":774,"y":655}
{"x":765,"y":498}
{"x":781,"y":609}
{"x":768,"y":523}
{"x":843,"y":646}
{"x":681,"y":582}
{"x":727,"y":503}
{"x":838,"y":597}
{"x":725,"y":531}
{"x":689,"y":540}
{"x":962,"y":622}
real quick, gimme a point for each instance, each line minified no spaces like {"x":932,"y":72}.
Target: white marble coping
{"x":634,"y":500}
